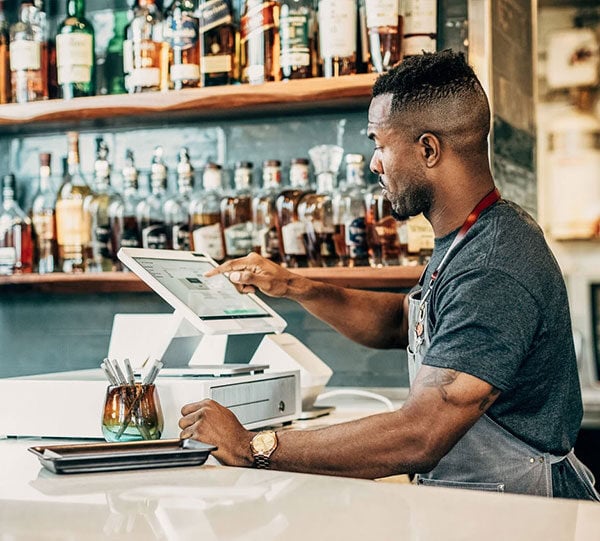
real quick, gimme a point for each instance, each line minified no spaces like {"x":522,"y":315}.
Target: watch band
{"x":262,"y":462}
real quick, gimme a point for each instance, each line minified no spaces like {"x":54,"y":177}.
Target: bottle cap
{"x":244,"y":165}
{"x":45,"y":158}
{"x":271,"y":163}
{"x":299,"y":161}
{"x":355,"y":158}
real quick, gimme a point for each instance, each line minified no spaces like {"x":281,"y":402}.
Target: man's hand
{"x":209,"y":422}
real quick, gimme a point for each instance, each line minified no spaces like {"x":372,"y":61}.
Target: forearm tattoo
{"x":443,"y":377}
{"x":487,"y":401}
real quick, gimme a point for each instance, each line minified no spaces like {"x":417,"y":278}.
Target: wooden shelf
{"x":125,"y":282}
{"x":287,"y":97}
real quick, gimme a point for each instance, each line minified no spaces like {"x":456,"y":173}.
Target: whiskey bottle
{"x":337,"y":37}
{"x":420,"y":26}
{"x":382,"y":230}
{"x":384,"y":27}
{"x":181,"y":33}
{"x":316,"y":210}
{"x":259,"y":35}
{"x":264,"y":212}
{"x":28,"y":56}
{"x":145,"y":54}
{"x":75,"y":53}
{"x":296,"y":29}
{"x":99,"y":256}
{"x":72,"y":225}
{"x":16,"y":233}
{"x":290,"y":228}
{"x":349,"y":215}
{"x":4,"y":57}
{"x":217,"y":42}
{"x":44,"y":220}
{"x":149,"y":212}
{"x":205,"y":215}
{"x":236,"y":213}
{"x":122,"y":212}
{"x":177,"y":208}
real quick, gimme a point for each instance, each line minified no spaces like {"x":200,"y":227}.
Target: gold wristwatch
{"x":263,"y":445}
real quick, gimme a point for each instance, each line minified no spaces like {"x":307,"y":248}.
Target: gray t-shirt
{"x":499,"y":311}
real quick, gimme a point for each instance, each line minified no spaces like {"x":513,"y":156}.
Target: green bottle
{"x":75,"y":53}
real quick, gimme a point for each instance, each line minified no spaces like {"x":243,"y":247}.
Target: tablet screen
{"x":209,"y":298}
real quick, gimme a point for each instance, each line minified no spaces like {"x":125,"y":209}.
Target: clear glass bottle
{"x":420,"y":26}
{"x":217,"y":42}
{"x":43,"y":216}
{"x":236,"y":213}
{"x":75,"y":53}
{"x":264,"y":213}
{"x":382,"y":230}
{"x":205,"y":214}
{"x":349,"y":215}
{"x":145,"y":53}
{"x":72,"y":225}
{"x":259,"y":35}
{"x":177,"y":207}
{"x":181,"y":33}
{"x":5,"y":83}
{"x":16,"y":233}
{"x":124,"y":224}
{"x":290,"y":228}
{"x":150,"y":211}
{"x":316,"y":210}
{"x":28,"y":56}
{"x":99,"y":254}
{"x":384,"y":27}
{"x":337,"y":37}
{"x":297,"y":38}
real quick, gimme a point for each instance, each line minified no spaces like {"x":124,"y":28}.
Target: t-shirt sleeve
{"x":485,"y":323}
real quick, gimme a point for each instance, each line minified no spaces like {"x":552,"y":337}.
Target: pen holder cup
{"x":131,"y":413}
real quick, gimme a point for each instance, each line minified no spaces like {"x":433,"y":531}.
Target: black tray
{"x":97,"y":457}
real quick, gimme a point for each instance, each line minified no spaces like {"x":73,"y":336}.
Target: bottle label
{"x":44,"y":226}
{"x":403,"y":232}
{"x":382,"y":13}
{"x":216,"y":64}
{"x":74,"y":58}
{"x":184,"y":72}
{"x":25,"y":55}
{"x":144,"y":77}
{"x":129,"y":240}
{"x":214,"y":13}
{"x":337,"y":28}
{"x":295,"y":43}
{"x":182,"y":32}
{"x":414,"y":45}
{"x":420,"y":17}
{"x":356,"y":238}
{"x":127,"y":56}
{"x":267,"y":241}
{"x":102,"y":241}
{"x":292,"y":236}
{"x":154,"y":237}
{"x":238,"y":239}
{"x":208,"y":240}
{"x":258,"y":19}
{"x":8,"y":257}
{"x":420,"y":235}
{"x":181,"y":237}
{"x":71,"y":224}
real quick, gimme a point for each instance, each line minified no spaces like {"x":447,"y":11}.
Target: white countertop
{"x":213,"y":502}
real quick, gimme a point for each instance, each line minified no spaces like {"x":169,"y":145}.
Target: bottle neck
{"x":8,"y":198}
{"x":299,"y":176}
{"x":184,"y":185}
{"x":44,"y":178}
{"x":76,"y":8}
{"x":325,"y":182}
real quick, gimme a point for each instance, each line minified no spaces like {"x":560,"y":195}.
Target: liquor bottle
{"x":384,"y":26}
{"x":149,"y":212}
{"x":75,"y":53}
{"x":181,"y":33}
{"x":291,"y":228}
{"x":122,"y":212}
{"x":337,"y":37}
{"x":99,"y":256}
{"x":145,"y":54}
{"x":420,"y":26}
{"x":259,"y":35}
{"x":419,"y":241}
{"x":236,"y":213}
{"x":28,"y":56}
{"x":72,"y":225}
{"x":205,"y":215}
{"x":316,"y":210}
{"x":264,"y":213}
{"x":382,"y":230}
{"x":177,"y":208}
{"x":217,"y":42}
{"x":296,"y":29}
{"x":349,"y":215}
{"x":44,"y":220}
{"x":5,"y":84}
{"x":16,"y":233}
{"x":113,"y":64}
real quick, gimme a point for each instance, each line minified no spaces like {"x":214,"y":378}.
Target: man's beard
{"x":412,"y":202}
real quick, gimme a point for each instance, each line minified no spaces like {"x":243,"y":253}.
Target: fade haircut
{"x":438,"y":93}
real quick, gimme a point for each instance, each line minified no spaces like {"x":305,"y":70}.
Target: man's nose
{"x":375,"y":165}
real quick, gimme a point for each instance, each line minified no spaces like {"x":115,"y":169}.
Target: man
{"x":495,"y":400}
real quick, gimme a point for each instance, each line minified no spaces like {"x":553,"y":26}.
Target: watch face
{"x":264,"y":442}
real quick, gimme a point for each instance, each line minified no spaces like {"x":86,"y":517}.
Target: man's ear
{"x":430,"y":148}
